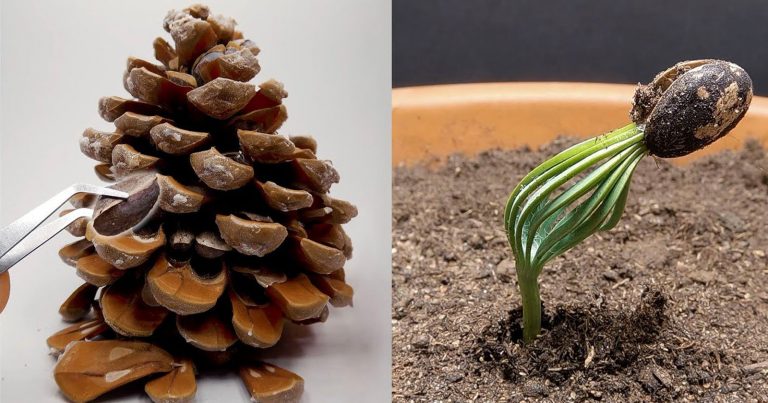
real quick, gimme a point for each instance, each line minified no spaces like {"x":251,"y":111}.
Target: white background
{"x":59,"y":57}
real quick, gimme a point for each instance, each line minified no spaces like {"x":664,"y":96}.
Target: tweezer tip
{"x":99,"y":190}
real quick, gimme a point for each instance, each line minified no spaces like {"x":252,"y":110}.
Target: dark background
{"x":459,"y":41}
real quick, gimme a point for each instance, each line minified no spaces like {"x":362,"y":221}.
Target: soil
{"x":671,"y":304}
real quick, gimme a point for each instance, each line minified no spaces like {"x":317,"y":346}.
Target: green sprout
{"x":541,"y":227}
{"x":583,"y":189}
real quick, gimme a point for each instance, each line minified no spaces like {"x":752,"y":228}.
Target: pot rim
{"x":429,"y":123}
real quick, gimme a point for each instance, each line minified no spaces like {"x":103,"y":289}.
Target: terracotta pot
{"x":432,"y":122}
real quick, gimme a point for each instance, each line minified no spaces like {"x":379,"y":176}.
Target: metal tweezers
{"x":22,"y":237}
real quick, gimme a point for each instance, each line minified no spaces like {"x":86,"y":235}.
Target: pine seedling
{"x":583,"y":189}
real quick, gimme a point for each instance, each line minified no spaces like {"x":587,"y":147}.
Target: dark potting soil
{"x":671,"y":304}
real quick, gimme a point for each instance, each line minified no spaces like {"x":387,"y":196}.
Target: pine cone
{"x":228,"y":231}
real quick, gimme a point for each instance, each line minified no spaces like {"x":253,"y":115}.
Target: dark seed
{"x":115,"y":216}
{"x":698,"y":107}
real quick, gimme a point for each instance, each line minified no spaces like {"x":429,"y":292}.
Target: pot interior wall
{"x":432,"y":122}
